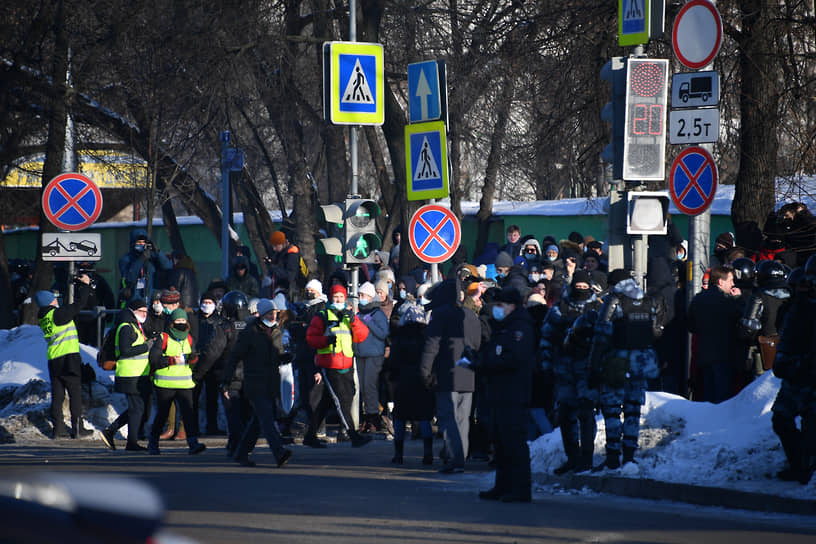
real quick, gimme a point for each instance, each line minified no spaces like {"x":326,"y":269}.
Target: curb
{"x":705,"y":496}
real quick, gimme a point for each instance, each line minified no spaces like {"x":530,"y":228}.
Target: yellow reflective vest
{"x":175,"y":376}
{"x":137,"y":365}
{"x":61,"y":339}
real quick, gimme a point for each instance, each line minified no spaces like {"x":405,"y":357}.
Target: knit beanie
{"x":277,"y":238}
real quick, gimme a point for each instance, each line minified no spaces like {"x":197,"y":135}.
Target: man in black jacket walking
{"x":507,"y":364}
{"x":452,"y":332}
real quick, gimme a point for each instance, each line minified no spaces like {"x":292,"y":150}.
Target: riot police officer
{"x":623,"y":358}
{"x":794,"y":365}
{"x":763,"y":317}
{"x":567,"y":367}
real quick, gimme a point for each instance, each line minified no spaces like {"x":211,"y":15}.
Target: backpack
{"x":303,"y":268}
{"x":106,"y":358}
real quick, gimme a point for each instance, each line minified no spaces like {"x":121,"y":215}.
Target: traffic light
{"x":647,"y":213}
{"x":614,"y":71}
{"x":362,"y":239}
{"x":333,"y":214}
{"x":644,"y":137}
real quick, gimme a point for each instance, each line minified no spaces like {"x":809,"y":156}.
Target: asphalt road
{"x":344,"y":495}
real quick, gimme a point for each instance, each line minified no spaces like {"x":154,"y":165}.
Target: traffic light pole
{"x":355,"y":175}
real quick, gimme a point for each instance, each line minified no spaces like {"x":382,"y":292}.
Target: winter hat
{"x":552,"y":247}
{"x":725,"y":239}
{"x":576,"y":237}
{"x":279,"y":302}
{"x":509,"y":295}
{"x":367,"y":289}
{"x":472,"y":289}
{"x":423,"y":289}
{"x":315,"y":285}
{"x":208,"y":295}
{"x":383,"y":255}
{"x":265,"y":306}
{"x":617,"y":276}
{"x":581,"y":276}
{"x":178,"y":313}
{"x":277,"y":238}
{"x":532,"y":242}
{"x":504,"y":259}
{"x":412,"y":313}
{"x":594,"y":244}
{"x":44,"y":298}
{"x":381,"y":286}
{"x":337,"y":289}
{"x":385,"y":274}
{"x":520,"y":261}
{"x":138,"y":304}
{"x":157,"y":294}
{"x":171,"y":296}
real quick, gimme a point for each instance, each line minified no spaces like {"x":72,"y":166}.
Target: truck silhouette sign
{"x":696,"y":87}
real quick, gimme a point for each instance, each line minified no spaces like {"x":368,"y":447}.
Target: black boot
{"x":427,"y":458}
{"x":570,"y":442}
{"x":399,"y":446}
{"x":628,"y":455}
{"x":358,"y":440}
{"x":566,"y":467}
{"x":611,"y":462}
{"x":584,"y":462}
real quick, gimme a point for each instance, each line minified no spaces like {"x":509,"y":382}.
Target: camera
{"x":88,"y":273}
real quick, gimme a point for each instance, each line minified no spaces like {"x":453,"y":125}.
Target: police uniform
{"x":507,"y":365}
{"x":568,"y":365}
{"x":623,"y":360}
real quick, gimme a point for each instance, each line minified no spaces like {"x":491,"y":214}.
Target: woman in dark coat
{"x":413,"y":401}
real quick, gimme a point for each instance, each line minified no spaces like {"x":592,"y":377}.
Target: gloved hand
{"x":331,"y":339}
{"x":349,"y":313}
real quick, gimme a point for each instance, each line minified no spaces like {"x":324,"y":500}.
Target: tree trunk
{"x":759,"y":98}
{"x":172,"y":228}
{"x":494,"y":162}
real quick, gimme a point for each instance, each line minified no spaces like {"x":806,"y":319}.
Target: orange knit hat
{"x":277,"y":237}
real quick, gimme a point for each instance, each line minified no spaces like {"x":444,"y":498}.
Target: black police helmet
{"x":232,"y":302}
{"x":810,"y":266}
{"x":744,"y":271}
{"x":771,"y":274}
{"x":796,"y":278}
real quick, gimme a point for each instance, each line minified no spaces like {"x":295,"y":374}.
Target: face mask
{"x":208,"y":308}
{"x":158,"y":308}
{"x":681,"y":256}
{"x":530,"y":256}
{"x":581,"y":295}
{"x":402,"y":294}
{"x":339,"y":306}
{"x":269,"y":323}
{"x":365,"y":301}
{"x":141,"y":319}
{"x":500,"y":275}
{"x":181,"y":326}
{"x":139,"y":248}
{"x":552,"y":258}
{"x":534,"y":277}
{"x":311,"y":295}
{"x":498,"y":313}
{"x":168,"y":311}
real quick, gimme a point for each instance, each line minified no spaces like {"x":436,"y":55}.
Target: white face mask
{"x":140,"y":318}
{"x":157,"y":307}
{"x":208,"y":308}
{"x":534,"y":277}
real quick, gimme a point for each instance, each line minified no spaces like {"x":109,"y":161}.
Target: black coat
{"x":214,"y":356}
{"x":507,"y":363}
{"x":714,"y":316}
{"x":260,"y":349}
{"x":127,"y":337}
{"x":452,"y":329}
{"x":412,"y":400}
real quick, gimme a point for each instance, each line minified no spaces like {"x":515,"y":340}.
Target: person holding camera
{"x":64,"y":361}
{"x":139,"y":266}
{"x":332,"y":334}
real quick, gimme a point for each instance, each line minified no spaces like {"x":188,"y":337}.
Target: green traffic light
{"x":361,"y":249}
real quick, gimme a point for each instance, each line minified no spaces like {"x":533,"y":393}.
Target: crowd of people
{"x":530,"y":336}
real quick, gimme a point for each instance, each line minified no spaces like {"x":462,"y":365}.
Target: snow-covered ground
{"x":730,"y":445}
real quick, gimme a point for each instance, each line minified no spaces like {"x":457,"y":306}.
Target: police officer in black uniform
{"x":507,"y":365}
{"x":795,"y":366}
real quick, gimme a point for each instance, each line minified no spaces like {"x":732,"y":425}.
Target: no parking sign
{"x":72,"y":202}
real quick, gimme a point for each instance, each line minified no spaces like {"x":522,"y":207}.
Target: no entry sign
{"x":434,"y":233}
{"x":693,"y":180}
{"x":697,"y":33}
{"x":72,"y":202}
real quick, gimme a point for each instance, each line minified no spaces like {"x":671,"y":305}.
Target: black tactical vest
{"x":635,"y":330}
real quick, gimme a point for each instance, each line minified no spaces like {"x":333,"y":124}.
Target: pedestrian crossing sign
{"x":633,"y":21}
{"x":426,"y":160}
{"x":353,"y":83}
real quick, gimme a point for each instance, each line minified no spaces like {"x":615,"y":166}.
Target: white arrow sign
{"x":423,"y":91}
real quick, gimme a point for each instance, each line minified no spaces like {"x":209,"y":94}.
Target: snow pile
{"x":729,"y":445}
{"x":25,"y":392}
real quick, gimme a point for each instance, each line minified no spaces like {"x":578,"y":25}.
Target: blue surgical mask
{"x":365,"y":301}
{"x":498,"y":313}
{"x":139,"y":248}
{"x":552,"y":258}
{"x":269,"y":323}
{"x":339,"y":306}
{"x":402,"y":294}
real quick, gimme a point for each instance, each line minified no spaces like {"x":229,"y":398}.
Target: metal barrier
{"x":100,"y":313}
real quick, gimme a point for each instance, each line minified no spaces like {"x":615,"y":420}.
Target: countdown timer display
{"x":644,"y":139}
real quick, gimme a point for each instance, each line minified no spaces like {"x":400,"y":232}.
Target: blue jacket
{"x":135,"y":266}
{"x":377,"y":323}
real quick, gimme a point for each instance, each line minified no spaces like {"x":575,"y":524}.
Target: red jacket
{"x":315,"y":337}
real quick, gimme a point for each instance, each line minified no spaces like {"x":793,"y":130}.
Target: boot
{"x":584,"y":462}
{"x":566,"y":467}
{"x":628,"y":455}
{"x":398,"y":451}
{"x":611,"y":462}
{"x":181,"y":434}
{"x":427,"y":458}
{"x":358,"y":440}
{"x":168,"y":434}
